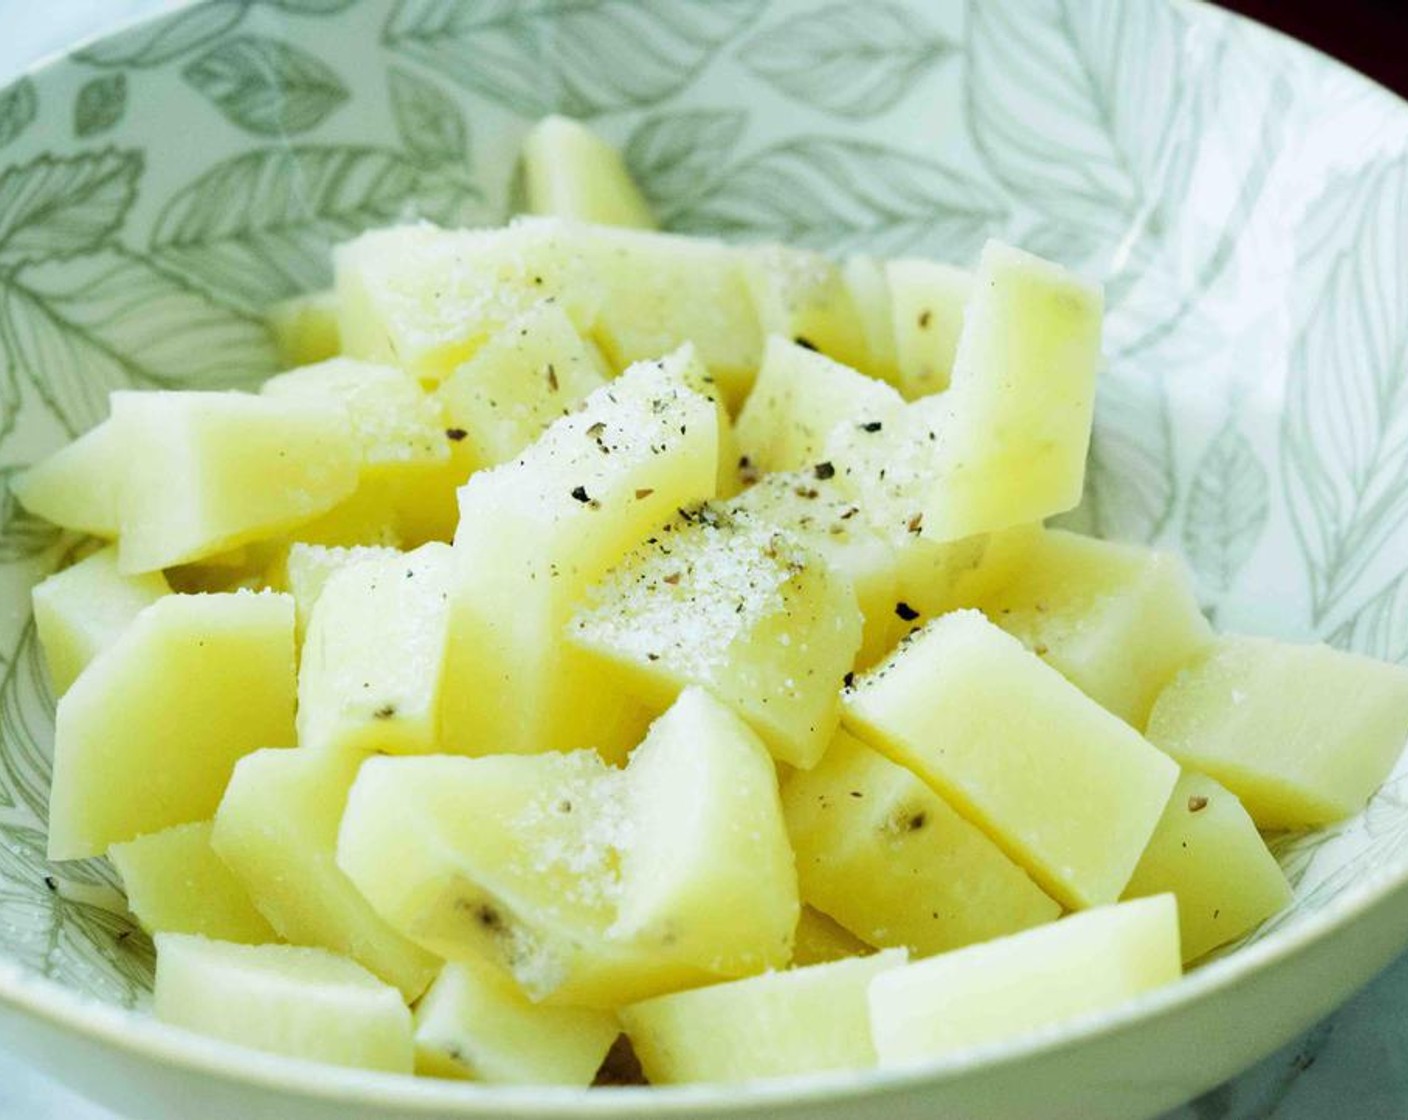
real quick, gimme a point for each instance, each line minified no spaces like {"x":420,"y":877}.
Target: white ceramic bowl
{"x":1242,"y":196}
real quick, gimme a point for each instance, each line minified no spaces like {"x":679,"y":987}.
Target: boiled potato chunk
{"x":1019,"y":411}
{"x":999,"y":989}
{"x":83,"y":609}
{"x":289,"y":1000}
{"x":476,"y":1024}
{"x":175,"y":883}
{"x":1303,"y":735}
{"x":799,"y":398}
{"x":1208,"y":854}
{"x":660,"y":290}
{"x":1116,"y":620}
{"x":886,"y":468}
{"x":373,"y":661}
{"x":802,"y":295}
{"x":571,"y":172}
{"x":804,"y":1020}
{"x":934,"y":579}
{"x":514,"y":859}
{"x":869,"y":289}
{"x":818,"y":940}
{"x":305,"y":328}
{"x":534,"y":533}
{"x":709,"y":872}
{"x":534,"y":371}
{"x":276,"y":829}
{"x":76,"y":486}
{"x":148,"y":735}
{"x":304,"y":570}
{"x":926,"y":302}
{"x":1070,"y":792}
{"x":739,"y":609}
{"x":407,"y":481}
{"x":206,"y":472}
{"x":815,"y":511}
{"x":886,"y":857}
{"x":425,"y":299}
{"x":391,"y":422}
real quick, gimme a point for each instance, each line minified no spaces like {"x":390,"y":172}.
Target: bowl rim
{"x":138,"y":1035}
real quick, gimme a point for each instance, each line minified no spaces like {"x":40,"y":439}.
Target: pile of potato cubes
{"x":607,"y":632}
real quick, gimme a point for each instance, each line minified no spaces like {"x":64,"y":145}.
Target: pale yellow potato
{"x":370,"y":677}
{"x":1303,"y":735}
{"x":536,"y":532}
{"x":407,"y":479}
{"x":535,"y":370}
{"x":804,"y":1020}
{"x":800,"y":397}
{"x":1002,"y":989}
{"x":205,"y":472}
{"x":802,"y":295}
{"x":77,"y":485}
{"x":937,"y":578}
{"x":1070,"y":792}
{"x":818,"y":940}
{"x":276,"y":829}
{"x":659,"y":291}
{"x":1208,"y":854}
{"x":887,"y":467}
{"x":305,"y":328}
{"x":304,"y":570}
{"x":285,"y":999}
{"x":708,"y":874}
{"x":476,"y":1024}
{"x":817,"y":513}
{"x":890,"y":860}
{"x":391,"y":422}
{"x":80,"y":611}
{"x":193,"y":684}
{"x":737,"y":608}
{"x":927,"y":299}
{"x":869,"y":288}
{"x":1117,"y":620}
{"x":175,"y":883}
{"x":1023,"y":395}
{"x":514,"y":859}
{"x":571,"y":172}
{"x":425,"y":299}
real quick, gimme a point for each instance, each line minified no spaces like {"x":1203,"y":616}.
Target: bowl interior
{"x":1240,"y":196}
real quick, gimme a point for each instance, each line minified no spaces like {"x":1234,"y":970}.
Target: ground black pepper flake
{"x":915,"y":523}
{"x":386,"y":711}
{"x":552,"y":378}
{"x":849,"y":680}
{"x":1197,"y":804}
{"x":924,"y":318}
{"x":806,"y":343}
{"x":51,"y":883}
{"x":747,"y":472}
{"x":808,"y":492}
{"x":672,"y":579}
{"x":455,"y":434}
{"x":871,"y":426}
{"x":580,"y":493}
{"x":644,"y":492}
{"x":905,"y":611}
{"x":824,"y":471}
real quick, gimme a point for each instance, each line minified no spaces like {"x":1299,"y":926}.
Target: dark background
{"x":1370,"y":35}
